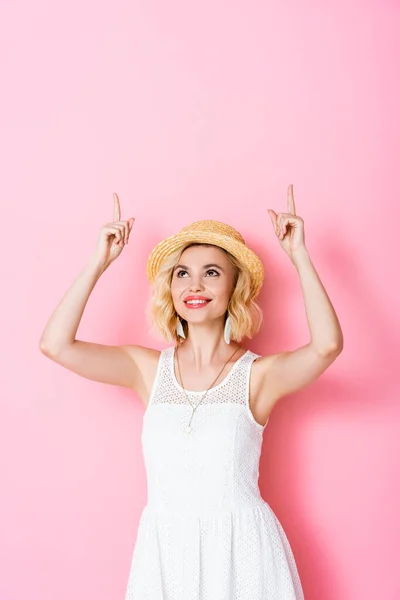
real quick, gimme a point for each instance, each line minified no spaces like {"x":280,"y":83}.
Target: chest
{"x":196,"y":382}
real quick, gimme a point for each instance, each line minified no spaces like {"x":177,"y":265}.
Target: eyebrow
{"x":204,"y":267}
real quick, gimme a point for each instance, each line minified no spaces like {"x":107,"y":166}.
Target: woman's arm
{"x":61,"y":328}
{"x":288,"y":372}
{"x":326,"y":336}
{"x":117,"y":365}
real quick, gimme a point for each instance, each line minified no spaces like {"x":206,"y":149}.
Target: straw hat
{"x":209,"y":232}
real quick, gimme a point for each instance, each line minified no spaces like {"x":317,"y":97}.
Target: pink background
{"x":192,"y":111}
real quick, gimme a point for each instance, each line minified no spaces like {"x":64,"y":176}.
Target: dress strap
{"x":250,"y":359}
{"x":161,"y":366}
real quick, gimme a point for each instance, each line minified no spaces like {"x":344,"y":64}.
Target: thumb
{"x":274,"y":219}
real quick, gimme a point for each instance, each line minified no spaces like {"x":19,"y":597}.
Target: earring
{"x":227,"y":330}
{"x":179,"y":329}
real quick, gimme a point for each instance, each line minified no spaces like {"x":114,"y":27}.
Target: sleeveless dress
{"x":205,"y":532}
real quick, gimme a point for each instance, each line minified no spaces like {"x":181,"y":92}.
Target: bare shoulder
{"x":146,"y":361}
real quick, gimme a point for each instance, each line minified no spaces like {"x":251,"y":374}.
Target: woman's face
{"x":202,"y":271}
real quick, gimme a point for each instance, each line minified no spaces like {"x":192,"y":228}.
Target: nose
{"x":196,"y":285}
{"x":196,"y":288}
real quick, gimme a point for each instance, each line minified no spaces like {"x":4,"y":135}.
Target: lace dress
{"x":205,"y":532}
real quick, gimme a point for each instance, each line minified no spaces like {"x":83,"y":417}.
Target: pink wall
{"x":191,"y":111}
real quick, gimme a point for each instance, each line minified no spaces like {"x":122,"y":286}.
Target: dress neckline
{"x":216,"y":387}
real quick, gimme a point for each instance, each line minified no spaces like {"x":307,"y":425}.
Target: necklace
{"x":188,"y":427}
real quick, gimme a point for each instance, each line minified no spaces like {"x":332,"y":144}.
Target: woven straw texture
{"x":210,"y":232}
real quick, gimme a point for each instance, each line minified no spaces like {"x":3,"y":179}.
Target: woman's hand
{"x":113,"y":237}
{"x":288,"y":227}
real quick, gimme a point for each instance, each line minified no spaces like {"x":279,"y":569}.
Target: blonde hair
{"x":245,"y":314}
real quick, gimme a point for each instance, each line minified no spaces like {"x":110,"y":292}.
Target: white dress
{"x":205,"y":532}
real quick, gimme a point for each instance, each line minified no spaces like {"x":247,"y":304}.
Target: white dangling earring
{"x":227,"y":330}
{"x":179,"y":329}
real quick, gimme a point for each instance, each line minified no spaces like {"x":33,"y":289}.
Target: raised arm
{"x":287,"y":372}
{"x":117,"y":365}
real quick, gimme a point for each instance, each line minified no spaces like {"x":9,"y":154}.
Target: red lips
{"x":196,"y":298}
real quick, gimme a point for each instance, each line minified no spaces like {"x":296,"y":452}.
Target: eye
{"x":184,"y":271}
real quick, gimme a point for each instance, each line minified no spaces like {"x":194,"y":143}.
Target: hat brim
{"x":242,"y":252}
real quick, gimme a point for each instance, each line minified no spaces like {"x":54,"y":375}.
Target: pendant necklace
{"x":188,"y":428}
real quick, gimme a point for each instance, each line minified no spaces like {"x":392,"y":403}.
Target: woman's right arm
{"x":116,"y":365}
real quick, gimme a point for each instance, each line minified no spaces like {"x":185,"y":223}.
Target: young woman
{"x":205,"y":531}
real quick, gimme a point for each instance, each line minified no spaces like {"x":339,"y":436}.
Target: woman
{"x":205,"y":531}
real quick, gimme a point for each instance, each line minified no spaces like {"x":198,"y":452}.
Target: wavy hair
{"x":245,"y":314}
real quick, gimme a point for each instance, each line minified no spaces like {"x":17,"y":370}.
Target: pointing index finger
{"x":117,"y":208}
{"x":290,"y":200}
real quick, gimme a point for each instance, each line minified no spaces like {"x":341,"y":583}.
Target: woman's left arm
{"x":326,"y":336}
{"x":287,"y":372}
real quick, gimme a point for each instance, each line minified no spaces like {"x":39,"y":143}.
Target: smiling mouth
{"x":196,"y":303}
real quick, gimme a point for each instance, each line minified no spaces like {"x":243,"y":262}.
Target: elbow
{"x":46,"y":349}
{"x":53,"y":349}
{"x":332,"y":350}
{"x":43,"y":347}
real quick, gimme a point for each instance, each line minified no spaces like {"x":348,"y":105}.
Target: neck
{"x":205,"y":345}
